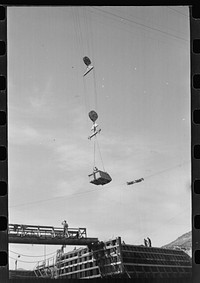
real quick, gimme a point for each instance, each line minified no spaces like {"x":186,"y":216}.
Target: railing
{"x":46,"y":268}
{"x":35,"y":231}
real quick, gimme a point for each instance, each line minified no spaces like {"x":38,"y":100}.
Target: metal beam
{"x":51,"y":241}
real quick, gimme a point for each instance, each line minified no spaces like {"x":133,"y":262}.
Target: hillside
{"x":184,"y":242}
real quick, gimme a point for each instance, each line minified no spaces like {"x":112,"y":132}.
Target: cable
{"x":95,"y":90}
{"x":79,"y":46}
{"x":81,"y":35}
{"x":169,"y":169}
{"x":94,"y":152}
{"x":172,"y":218}
{"x":139,"y":24}
{"x":50,"y":199}
{"x":100,"y":154}
{"x":31,"y":255}
{"x":132,"y":31}
{"x":139,"y":18}
{"x":90,"y":191}
{"x":85,"y":98}
{"x":80,"y":31}
{"x":178,"y":12}
{"x":24,"y":261}
{"x":87,"y":29}
{"x":91,"y":26}
{"x":94,"y":79}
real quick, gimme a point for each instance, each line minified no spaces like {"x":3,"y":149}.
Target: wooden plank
{"x":50,"y":241}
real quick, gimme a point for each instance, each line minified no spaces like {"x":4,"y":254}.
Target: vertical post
{"x":16,"y":262}
{"x":120,"y":254}
{"x":124,"y":270}
{"x":45,"y":253}
{"x":53,"y":269}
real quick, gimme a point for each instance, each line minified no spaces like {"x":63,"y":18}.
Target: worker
{"x":145,"y":243}
{"x":79,"y":233}
{"x":62,"y":248}
{"x":15,"y":228}
{"x":53,"y":233}
{"x":149,"y":242}
{"x":65,"y":228}
{"x":23,"y":228}
{"x":39,"y":231}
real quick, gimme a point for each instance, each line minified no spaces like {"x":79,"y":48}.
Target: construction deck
{"x":48,"y":235}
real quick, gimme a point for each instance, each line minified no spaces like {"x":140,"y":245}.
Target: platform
{"x":48,"y":235}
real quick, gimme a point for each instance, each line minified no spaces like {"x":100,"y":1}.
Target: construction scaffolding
{"x":119,"y":260}
{"x":47,"y":235}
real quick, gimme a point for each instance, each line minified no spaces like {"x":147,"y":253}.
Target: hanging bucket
{"x":99,"y":178}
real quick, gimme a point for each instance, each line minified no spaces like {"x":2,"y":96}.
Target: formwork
{"x":115,"y":259}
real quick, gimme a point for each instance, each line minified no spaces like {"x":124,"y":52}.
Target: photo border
{"x":195,"y":144}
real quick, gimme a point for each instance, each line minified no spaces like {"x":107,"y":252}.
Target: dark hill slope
{"x":183,"y":242}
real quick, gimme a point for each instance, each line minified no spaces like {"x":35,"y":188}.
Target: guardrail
{"x":35,"y":231}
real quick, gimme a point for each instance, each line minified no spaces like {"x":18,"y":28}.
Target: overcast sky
{"x":140,"y":90}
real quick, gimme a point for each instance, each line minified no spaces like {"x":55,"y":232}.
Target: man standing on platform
{"x":65,"y":228}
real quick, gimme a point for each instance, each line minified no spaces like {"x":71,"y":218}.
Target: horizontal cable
{"x":32,"y":255}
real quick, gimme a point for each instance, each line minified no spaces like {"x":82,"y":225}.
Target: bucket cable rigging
{"x":95,"y":90}
{"x":94,"y":153}
{"x":100,"y":154}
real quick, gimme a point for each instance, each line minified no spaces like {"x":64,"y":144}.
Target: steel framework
{"x":47,"y":235}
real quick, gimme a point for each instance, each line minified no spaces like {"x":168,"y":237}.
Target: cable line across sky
{"x":25,"y":261}
{"x":139,"y":24}
{"x":94,"y":190}
{"x":53,"y":253}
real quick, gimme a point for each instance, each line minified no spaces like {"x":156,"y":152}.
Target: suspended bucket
{"x":99,"y":178}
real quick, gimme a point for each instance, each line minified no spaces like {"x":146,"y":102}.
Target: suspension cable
{"x":32,"y":255}
{"x":100,"y":154}
{"x":86,"y":101}
{"x":90,"y":191}
{"x":95,"y":90}
{"x":94,"y":152}
{"x":25,"y":261}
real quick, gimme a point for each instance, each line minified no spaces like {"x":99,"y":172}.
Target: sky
{"x":140,"y":89}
